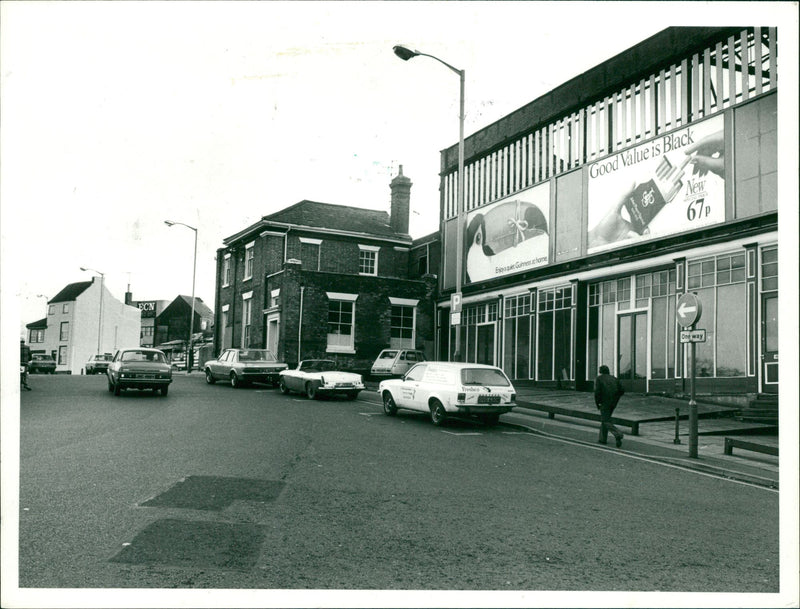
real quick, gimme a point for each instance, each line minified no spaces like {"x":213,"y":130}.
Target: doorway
{"x":485,"y":344}
{"x":769,"y":342}
{"x":632,"y":351}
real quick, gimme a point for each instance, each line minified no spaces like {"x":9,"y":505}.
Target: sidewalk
{"x":561,"y":413}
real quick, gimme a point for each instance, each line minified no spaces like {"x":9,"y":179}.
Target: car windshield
{"x":143,"y":356}
{"x":387,"y":355}
{"x":40,"y":358}
{"x":484,"y":377}
{"x":320,"y":365}
{"x":256,"y":355}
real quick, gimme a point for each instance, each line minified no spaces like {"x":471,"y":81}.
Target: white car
{"x":450,"y":388}
{"x":395,"y":362}
{"x":319,"y":378}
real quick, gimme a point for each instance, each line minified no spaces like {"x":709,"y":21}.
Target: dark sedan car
{"x":41,"y":363}
{"x":242,"y":366}
{"x":139,"y":368}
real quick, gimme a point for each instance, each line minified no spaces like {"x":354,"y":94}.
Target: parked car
{"x":395,"y":362}
{"x":319,"y":378}
{"x":443,"y":389}
{"x":41,"y":363}
{"x":98,"y":363}
{"x":242,"y":366}
{"x":139,"y":368}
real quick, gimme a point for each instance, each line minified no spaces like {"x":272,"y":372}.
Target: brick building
{"x":323,"y":280}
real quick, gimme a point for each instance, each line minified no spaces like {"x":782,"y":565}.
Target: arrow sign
{"x":688,"y":310}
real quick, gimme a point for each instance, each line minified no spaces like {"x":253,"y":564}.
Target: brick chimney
{"x":401,"y":203}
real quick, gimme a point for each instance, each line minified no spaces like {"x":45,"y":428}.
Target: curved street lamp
{"x":405,"y":54}
{"x":194,"y":275}
{"x":100,"y":315}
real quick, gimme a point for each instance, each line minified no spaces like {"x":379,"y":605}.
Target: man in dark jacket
{"x":607,"y":391}
{"x":24,"y":359}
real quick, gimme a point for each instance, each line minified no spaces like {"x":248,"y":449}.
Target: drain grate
{"x":215,"y":492}
{"x":185,"y":543}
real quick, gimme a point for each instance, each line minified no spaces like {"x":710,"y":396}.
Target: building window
{"x":554,"y":348}
{"x":37,"y":336}
{"x":341,"y":316}
{"x":247,"y":318}
{"x":310,"y":253}
{"x":65,"y":307}
{"x":368,"y":260}
{"x":274,"y":298}
{"x":719,"y":283}
{"x":402,"y":327}
{"x":517,"y":341}
{"x":769,"y":269}
{"x":226,"y":271}
{"x":249,"y":257}
{"x":422,"y":265}
{"x":147,"y":331}
{"x":51,"y":310}
{"x":62,"y":355}
{"x":64,"y":335}
{"x":224,"y":326}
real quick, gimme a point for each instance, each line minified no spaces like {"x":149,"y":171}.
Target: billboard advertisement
{"x":147,"y":307}
{"x":671,"y":184}
{"x":509,"y":236}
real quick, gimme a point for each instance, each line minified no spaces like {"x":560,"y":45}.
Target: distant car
{"x":41,"y":363}
{"x":98,"y":364}
{"x":395,"y":362}
{"x":319,"y":378}
{"x":242,"y":366}
{"x":139,"y":368}
{"x":443,"y":389}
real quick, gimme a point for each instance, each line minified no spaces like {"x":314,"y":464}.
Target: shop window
{"x":769,"y":269}
{"x":643,"y":289}
{"x":554,"y":347}
{"x":517,"y":328}
{"x":624,"y":293}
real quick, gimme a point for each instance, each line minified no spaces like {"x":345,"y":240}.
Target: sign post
{"x":455,"y":321}
{"x":688,"y":310}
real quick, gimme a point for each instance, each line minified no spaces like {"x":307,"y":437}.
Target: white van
{"x":396,"y":362}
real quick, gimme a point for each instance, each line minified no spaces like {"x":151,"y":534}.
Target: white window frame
{"x":63,"y":333}
{"x":249,"y":260}
{"x":247,"y":317}
{"x":65,"y":307}
{"x":366,"y":250}
{"x":223,"y":324}
{"x":51,"y":310}
{"x":318,"y":261}
{"x":405,"y":302}
{"x":350,"y":347}
{"x":226,"y":271}
{"x":274,"y":298}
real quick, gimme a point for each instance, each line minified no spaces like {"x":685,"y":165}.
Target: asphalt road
{"x":214,"y":487}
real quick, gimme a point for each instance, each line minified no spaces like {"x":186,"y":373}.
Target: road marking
{"x":462,"y":433}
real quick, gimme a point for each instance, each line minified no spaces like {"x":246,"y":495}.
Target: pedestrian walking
{"x":24,"y":359}
{"x":607,"y":391}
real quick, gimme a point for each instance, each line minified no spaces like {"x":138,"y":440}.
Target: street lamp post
{"x":405,"y":54}
{"x":100,"y":314}
{"x":194,"y":275}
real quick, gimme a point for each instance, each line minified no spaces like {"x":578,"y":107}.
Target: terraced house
{"x":592,"y":209}
{"x":323,"y":280}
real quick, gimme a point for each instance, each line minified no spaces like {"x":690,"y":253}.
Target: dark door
{"x":485,"y":346}
{"x":769,"y":343}
{"x":632,"y":351}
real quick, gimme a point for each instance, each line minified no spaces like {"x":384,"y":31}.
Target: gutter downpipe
{"x":300,"y":326}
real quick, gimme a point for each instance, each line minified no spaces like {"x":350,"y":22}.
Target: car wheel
{"x":490,"y":419}
{"x":389,"y":407}
{"x":117,"y":389}
{"x":438,"y":413}
{"x":235,"y":382}
{"x":352,"y":395}
{"x":311,"y":391}
{"x":164,"y":390}
{"x":210,"y":377}
{"x":283,"y":387}
{"x":110,"y":385}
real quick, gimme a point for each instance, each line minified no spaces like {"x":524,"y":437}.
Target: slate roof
{"x":335,"y":217}
{"x":35,"y":325}
{"x":70,"y":292}
{"x":200,"y":307}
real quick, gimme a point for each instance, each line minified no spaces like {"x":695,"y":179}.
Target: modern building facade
{"x":83,"y":319}
{"x":322,"y":280}
{"x":591,"y":210}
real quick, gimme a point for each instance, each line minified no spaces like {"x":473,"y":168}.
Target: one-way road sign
{"x":688,"y":310}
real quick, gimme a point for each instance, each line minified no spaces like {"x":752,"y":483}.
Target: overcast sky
{"x":117,"y":116}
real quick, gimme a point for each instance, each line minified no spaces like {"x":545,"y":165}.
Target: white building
{"x":77,"y":314}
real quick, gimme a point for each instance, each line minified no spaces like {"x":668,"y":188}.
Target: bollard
{"x":677,"y":440}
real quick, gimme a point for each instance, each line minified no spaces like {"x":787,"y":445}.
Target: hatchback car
{"x":396,"y":362}
{"x":41,"y":363}
{"x":139,"y":368}
{"x":443,"y":389}
{"x":98,"y":364}
{"x":319,"y":378}
{"x":242,"y":366}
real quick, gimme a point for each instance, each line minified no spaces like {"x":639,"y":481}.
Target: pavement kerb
{"x":571,"y":432}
